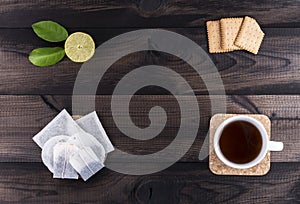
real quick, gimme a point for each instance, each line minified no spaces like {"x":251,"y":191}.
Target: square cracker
{"x":230,"y":28}
{"x":250,"y":36}
{"x":214,"y":37}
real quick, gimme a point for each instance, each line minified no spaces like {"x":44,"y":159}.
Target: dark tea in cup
{"x":240,"y":142}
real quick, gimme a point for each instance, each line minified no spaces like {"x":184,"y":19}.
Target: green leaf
{"x":50,"y":31}
{"x":46,"y":56}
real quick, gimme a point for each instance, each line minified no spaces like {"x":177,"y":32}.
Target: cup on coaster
{"x":242,"y":142}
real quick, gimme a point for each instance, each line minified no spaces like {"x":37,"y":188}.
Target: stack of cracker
{"x":229,"y":34}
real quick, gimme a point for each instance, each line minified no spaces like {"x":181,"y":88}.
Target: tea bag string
{"x":65,"y":162}
{"x":85,"y":162}
{"x":81,"y":147}
{"x":93,"y":156}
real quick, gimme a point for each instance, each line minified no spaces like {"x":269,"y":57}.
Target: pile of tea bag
{"x":71,"y":148}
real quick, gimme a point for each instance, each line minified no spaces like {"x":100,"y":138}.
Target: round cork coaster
{"x":218,"y":167}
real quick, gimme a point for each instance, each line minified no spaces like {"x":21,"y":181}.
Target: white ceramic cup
{"x":266,"y":144}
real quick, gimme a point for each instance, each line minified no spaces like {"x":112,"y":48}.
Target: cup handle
{"x":275,"y":146}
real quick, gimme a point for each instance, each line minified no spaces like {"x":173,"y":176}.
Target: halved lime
{"x":79,"y":47}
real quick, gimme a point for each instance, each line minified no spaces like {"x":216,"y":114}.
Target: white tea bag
{"x":62,"y":124}
{"x":47,"y":151}
{"x":86,"y":162}
{"x":87,"y":140}
{"x":91,"y":124}
{"x":62,"y":168}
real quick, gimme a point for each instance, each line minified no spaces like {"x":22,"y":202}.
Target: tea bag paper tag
{"x":61,"y":165}
{"x":86,"y":162}
{"x":92,"y":125}
{"x":47,"y":151}
{"x":62,"y":124}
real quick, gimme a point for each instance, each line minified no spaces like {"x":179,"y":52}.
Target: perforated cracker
{"x":250,"y":36}
{"x":214,"y":37}
{"x":229,"y":30}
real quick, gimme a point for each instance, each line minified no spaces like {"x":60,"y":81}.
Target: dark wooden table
{"x":268,"y":83}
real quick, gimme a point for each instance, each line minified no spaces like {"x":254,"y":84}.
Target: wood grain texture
{"x":275,"y":70}
{"x":181,"y":183}
{"x":30,"y":97}
{"x":141,"y":13}
{"x":21,"y":117}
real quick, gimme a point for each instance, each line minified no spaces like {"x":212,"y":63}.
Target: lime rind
{"x":79,"y":47}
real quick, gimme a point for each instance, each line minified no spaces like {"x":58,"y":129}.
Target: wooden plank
{"x":141,"y":13}
{"x":21,"y":117}
{"x":181,"y":183}
{"x":275,"y":70}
